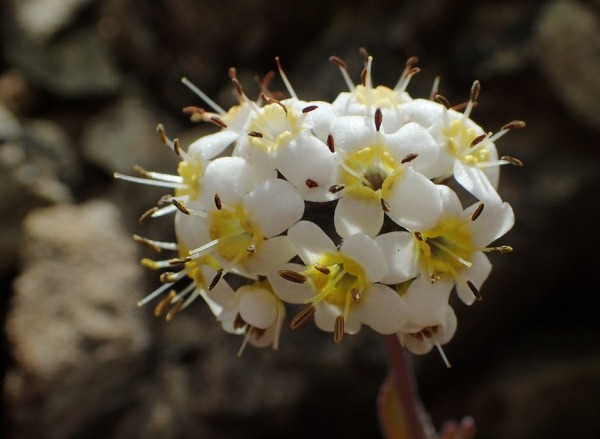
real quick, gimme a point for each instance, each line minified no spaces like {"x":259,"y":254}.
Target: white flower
{"x":242,"y":226}
{"x":467,"y":152}
{"x":339,"y":286}
{"x":253,"y":310}
{"x":380,"y":173}
{"x":451,"y":252}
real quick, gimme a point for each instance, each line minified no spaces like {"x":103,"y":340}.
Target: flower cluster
{"x":344,"y":208}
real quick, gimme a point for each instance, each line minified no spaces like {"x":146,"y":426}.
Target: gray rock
{"x":568,"y":53}
{"x":76,"y":335}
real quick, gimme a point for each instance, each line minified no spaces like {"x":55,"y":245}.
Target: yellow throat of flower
{"x":238,"y":238}
{"x":459,"y":139}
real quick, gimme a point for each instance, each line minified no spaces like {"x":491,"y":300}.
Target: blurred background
{"x":83,"y":84}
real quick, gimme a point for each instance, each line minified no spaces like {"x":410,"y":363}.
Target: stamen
{"x":180,"y":206}
{"x":285,"y":79}
{"x":255,"y":134}
{"x":336,"y":188}
{"x":364,"y":54}
{"x":385,"y":205}
{"x":169,"y":277}
{"x":216,"y":279}
{"x":363,"y":77}
{"x":179,"y":261}
{"x":477,"y":212}
{"x":479,"y":139}
{"x":270,"y":100}
{"x":247,"y":335}
{"x":157,"y":292}
{"x":217,"y":201}
{"x":355,"y":294}
{"x":330,"y":143}
{"x":435,"y":88}
{"x":511,"y":160}
{"x":378,"y":119}
{"x":162,"y":306}
{"x":322,"y":269}
{"x":311,"y":183}
{"x":502,"y":249}
{"x":309,"y":108}
{"x":474,"y":290}
{"x":474,"y":95}
{"x":292,"y":276}
{"x":176,"y":308}
{"x":344,"y":70}
{"x":237,"y":86}
{"x":515,"y":124}
{"x":442,"y":100}
{"x":338,"y":329}
{"x":409,"y":157}
{"x":147,"y":214}
{"x":251,"y":249}
{"x":161,"y":183}
{"x":157,"y":246}
{"x":218,"y":122}
{"x":418,"y":235}
{"x":451,"y":253}
{"x":302,"y":317}
{"x":442,"y":354}
{"x":203,"y":96}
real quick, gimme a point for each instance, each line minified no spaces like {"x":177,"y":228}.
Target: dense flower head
{"x":342,"y":208}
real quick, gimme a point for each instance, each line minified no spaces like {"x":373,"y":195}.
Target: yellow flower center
{"x":368,"y":167}
{"x":276,"y":125}
{"x":446,"y":248}
{"x":380,"y":96}
{"x":191,"y":173}
{"x":238,"y":239}
{"x":459,"y":139}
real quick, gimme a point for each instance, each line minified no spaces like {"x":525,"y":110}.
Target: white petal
{"x":274,"y":251}
{"x":357,"y":213}
{"x":448,"y":328}
{"x":364,"y":250}
{"x":310,"y":241}
{"x":427,"y":301}
{"x":477,"y":274}
{"x":287,"y":291}
{"x":319,"y":121}
{"x":493,"y":222}
{"x":221,"y":298}
{"x":351,"y":133}
{"x":325,"y":316}
{"x":413,"y":138}
{"x":227,"y":176}
{"x":476,"y":182}
{"x":451,"y":204}
{"x":415,"y":345}
{"x":402,"y":255}
{"x":425,"y":112}
{"x":414,"y":200}
{"x":258,"y":307}
{"x":308,"y":158}
{"x":273,"y":206}
{"x":382,"y":309}
{"x":210,"y":146}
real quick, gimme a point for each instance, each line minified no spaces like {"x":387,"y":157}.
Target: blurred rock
{"x":568,"y":52}
{"x":76,"y":336}
{"x":40,"y":19}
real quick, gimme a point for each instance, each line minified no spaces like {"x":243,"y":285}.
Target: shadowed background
{"x":83,"y":84}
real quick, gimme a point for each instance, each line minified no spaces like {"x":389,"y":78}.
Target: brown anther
{"x":330,"y":143}
{"x":511,"y":160}
{"x":216,"y":279}
{"x":441,"y":100}
{"x":165,"y":199}
{"x":515,"y":124}
{"x":502,"y":249}
{"x":176,"y":147}
{"x":238,"y":322}
{"x":477,"y":140}
{"x":181,"y":207}
{"x":355,"y":294}
{"x":413,"y":71}
{"x":336,"y":188}
{"x":378,"y":119}
{"x":217,"y":201}
{"x":418,"y":235}
{"x":180,"y":261}
{"x":162,"y":134}
{"x":411,"y":62}
{"x":363,"y":77}
{"x":409,"y":157}
{"x":191,"y":110}
{"x":237,"y":86}
{"x":434,"y":277}
{"x":417,"y":335}
{"x":338,"y":61}
{"x":218,"y":122}
{"x":174,"y":310}
{"x":385,"y":205}
{"x":477,"y":212}
{"x":271,"y":100}
{"x":251,"y":249}
{"x":255,"y":134}
{"x":309,"y":108}
{"x":474,"y":290}
{"x":311,"y":183}
{"x":364,"y":54}
{"x":321,"y":268}
{"x":167,"y":278}
{"x":147,"y":214}
{"x":292,"y":276}
{"x":161,"y":307}
{"x":475,"y":89}
{"x":338,"y":329}
{"x":146,"y":243}
{"x":141,"y":171}
{"x":302,"y":317}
